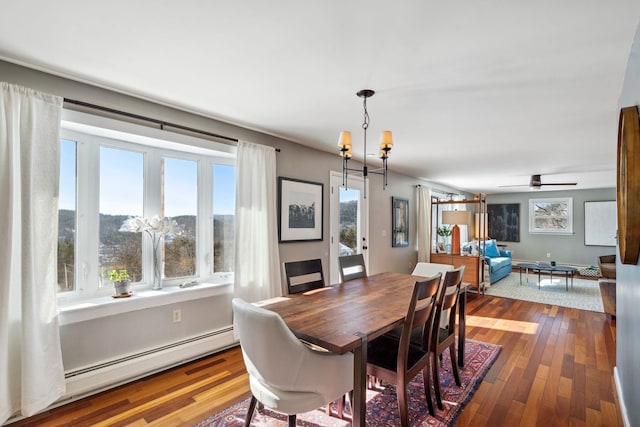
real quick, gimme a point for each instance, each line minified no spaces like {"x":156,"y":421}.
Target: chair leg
{"x":436,"y":381}
{"x":427,"y":389}
{"x":250,"y":410}
{"x":401,"y":390}
{"x":292,"y":420}
{"x":454,"y":363}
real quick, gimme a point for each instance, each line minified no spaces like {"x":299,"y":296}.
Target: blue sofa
{"x":499,"y":260}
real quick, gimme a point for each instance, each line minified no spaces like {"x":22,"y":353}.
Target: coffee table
{"x":567,"y":271}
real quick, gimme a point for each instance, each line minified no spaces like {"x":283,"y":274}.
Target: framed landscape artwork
{"x":300,"y":210}
{"x":504,"y":222}
{"x":551,"y":216}
{"x":400,"y":222}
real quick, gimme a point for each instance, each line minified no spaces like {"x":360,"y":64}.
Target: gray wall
{"x":628,"y":281}
{"x":564,"y":249}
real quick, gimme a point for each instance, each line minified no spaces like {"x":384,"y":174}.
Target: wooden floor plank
{"x":555,"y":369}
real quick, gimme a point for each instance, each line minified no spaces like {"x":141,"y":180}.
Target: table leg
{"x":572,"y":273}
{"x":566,"y":280}
{"x":462,"y":326}
{"x":520,"y":269}
{"x":360,"y":382}
{"x":539,"y":279}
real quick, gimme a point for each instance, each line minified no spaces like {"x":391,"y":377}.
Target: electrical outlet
{"x":177,"y":315}
{"x":548,"y":254}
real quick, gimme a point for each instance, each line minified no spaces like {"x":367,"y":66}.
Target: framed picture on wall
{"x":400,"y":222}
{"x":550,"y":216}
{"x":504,"y":221}
{"x":300,"y":210}
{"x":600,"y":223}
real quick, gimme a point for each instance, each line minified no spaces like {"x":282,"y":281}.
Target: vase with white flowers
{"x":157,"y":228}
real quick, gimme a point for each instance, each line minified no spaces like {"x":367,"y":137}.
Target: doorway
{"x":349,"y":219}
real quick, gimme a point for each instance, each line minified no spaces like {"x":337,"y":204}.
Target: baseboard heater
{"x":96,"y":378}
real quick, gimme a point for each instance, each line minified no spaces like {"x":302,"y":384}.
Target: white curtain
{"x":424,"y":215}
{"x":31,"y":370}
{"x":257,"y":261}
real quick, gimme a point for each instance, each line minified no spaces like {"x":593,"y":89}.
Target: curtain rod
{"x":162,"y":123}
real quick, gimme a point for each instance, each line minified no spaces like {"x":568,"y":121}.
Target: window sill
{"x":95,"y":308}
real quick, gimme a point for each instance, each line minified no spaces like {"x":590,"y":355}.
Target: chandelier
{"x":346,"y":149}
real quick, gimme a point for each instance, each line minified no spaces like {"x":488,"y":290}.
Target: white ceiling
{"x":477,"y":94}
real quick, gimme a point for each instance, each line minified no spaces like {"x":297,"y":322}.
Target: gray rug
{"x":585,"y":294}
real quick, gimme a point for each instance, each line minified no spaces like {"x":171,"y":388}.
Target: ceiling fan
{"x":535,"y":182}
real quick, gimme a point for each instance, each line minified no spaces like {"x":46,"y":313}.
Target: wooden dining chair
{"x":303,"y":276}
{"x":351,"y":267}
{"x":398,"y":360}
{"x":428,"y":269}
{"x":444,"y":337}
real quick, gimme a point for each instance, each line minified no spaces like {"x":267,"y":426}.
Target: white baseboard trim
{"x":623,"y":408}
{"x":97,"y":380}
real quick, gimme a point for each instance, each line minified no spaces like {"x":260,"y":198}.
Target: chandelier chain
{"x":365,"y":123}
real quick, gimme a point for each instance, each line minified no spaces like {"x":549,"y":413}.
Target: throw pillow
{"x":491,"y":249}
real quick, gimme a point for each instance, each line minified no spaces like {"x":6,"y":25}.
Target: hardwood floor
{"x":555,"y":369}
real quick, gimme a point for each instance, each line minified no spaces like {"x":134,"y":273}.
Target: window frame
{"x":92,"y":132}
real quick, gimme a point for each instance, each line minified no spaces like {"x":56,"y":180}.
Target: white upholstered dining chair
{"x":429,"y":269}
{"x":284,"y":374}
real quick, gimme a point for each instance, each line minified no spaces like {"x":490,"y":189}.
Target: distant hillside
{"x":110,"y":224}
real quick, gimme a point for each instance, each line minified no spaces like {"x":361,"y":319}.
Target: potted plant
{"x":121,"y":281}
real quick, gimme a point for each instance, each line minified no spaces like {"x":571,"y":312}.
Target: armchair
{"x":607,"y":265}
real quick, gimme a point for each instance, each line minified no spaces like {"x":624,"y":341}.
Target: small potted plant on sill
{"x":121,"y":281}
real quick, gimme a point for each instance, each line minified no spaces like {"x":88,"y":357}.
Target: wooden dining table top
{"x":331,"y":316}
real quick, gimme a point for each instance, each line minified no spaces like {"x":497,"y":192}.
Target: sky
{"x":121,"y":178}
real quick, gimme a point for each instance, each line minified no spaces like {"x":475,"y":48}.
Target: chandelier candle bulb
{"x":386,"y":140}
{"x":344,"y":141}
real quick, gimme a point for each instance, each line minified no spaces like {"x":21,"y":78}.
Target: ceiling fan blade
{"x":536,"y":182}
{"x":560,"y":183}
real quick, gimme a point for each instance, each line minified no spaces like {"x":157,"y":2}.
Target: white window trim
{"x":95,"y":131}
{"x":568,"y":230}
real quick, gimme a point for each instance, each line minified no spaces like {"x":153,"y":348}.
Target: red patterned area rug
{"x":382,"y":405}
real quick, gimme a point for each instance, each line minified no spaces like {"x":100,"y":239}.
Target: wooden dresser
{"x":471,"y":265}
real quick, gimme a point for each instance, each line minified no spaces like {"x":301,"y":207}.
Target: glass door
{"x":349,"y":221}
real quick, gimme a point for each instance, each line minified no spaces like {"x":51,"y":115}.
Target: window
{"x":551,"y":216}
{"x":180,"y":202}
{"x":108,"y":175}
{"x":67,"y":217}
{"x":121,"y":196}
{"x":224,"y":202}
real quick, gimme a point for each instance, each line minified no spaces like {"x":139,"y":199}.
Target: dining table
{"x":342,"y":318}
